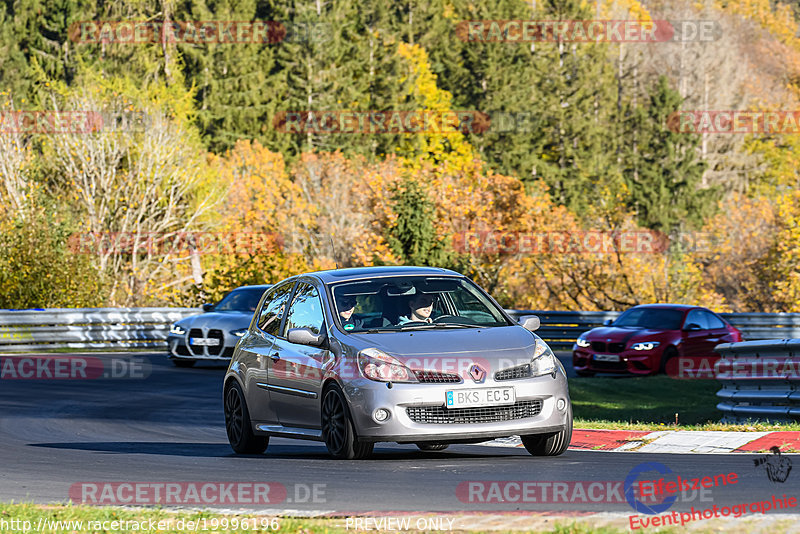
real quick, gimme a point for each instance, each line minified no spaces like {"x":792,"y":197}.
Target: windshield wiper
{"x":459,"y":325}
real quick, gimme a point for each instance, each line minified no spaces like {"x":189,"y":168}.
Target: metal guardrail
{"x":91,"y":328}
{"x":765,"y":396}
{"x":561,"y":328}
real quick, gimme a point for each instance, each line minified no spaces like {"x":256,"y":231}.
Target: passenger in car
{"x":420,"y":309}
{"x":346,"y":305}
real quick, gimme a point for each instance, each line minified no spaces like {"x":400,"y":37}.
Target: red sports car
{"x":644,"y":338}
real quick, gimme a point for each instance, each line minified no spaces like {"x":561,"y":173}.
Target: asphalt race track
{"x":168,"y":427}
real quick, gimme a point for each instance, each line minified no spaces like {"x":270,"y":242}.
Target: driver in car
{"x":347,"y":305}
{"x":420,"y":309}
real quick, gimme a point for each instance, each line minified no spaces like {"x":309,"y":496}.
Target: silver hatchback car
{"x":417,"y":355}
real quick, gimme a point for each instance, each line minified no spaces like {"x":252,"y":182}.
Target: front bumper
{"x":630,"y":361}
{"x":178,"y":347}
{"x":418,"y":412}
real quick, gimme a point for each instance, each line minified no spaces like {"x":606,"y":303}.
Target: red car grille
{"x":611,"y":348}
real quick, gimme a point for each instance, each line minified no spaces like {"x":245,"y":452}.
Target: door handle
{"x":275,"y":356}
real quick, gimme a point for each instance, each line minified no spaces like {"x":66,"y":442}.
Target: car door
{"x":257,"y":348}
{"x":295,"y":377}
{"x":717,"y":333}
{"x":695,"y":340}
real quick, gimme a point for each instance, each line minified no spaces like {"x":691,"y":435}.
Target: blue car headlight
{"x":177,"y":330}
{"x":240,"y":332}
{"x":645,"y":345}
{"x":543,"y":361}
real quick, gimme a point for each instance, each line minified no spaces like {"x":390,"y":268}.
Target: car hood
{"x":614,"y":334}
{"x":500,"y":342}
{"x":232,"y":320}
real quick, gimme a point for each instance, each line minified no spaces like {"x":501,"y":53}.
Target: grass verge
{"x":653,"y":403}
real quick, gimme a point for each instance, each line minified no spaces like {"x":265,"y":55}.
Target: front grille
{"x":512,"y":373}
{"x":182,"y":350}
{"x":217,"y":334}
{"x":228,"y":352}
{"x":616,"y":347}
{"x":440,"y":415}
{"x":195,"y":332}
{"x":437,"y":377}
{"x":598,"y":346}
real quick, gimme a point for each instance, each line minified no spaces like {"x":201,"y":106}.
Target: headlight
{"x":240,"y":332}
{"x":645,"y":345}
{"x":177,"y":330}
{"x":377,"y":365}
{"x":582,"y":342}
{"x":543,"y":361}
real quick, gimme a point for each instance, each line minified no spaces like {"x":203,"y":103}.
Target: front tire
{"x":337,"y":428}
{"x":238,"y":425}
{"x":669,"y":354}
{"x":550,"y":444}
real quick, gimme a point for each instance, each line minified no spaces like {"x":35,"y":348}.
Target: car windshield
{"x":655,"y":318}
{"x":413,"y":302}
{"x":244,"y":300}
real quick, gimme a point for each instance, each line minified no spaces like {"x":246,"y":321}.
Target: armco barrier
{"x":745,"y":397}
{"x":26,"y":330}
{"x":95,"y":328}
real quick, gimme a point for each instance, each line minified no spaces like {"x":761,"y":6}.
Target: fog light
{"x":381,"y":415}
{"x":561,"y":404}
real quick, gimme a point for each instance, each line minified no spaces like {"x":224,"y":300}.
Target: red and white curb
{"x":673,"y":441}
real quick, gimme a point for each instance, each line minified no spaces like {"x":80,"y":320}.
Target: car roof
{"x":682,"y":307}
{"x":359,"y":273}
{"x":257,"y":286}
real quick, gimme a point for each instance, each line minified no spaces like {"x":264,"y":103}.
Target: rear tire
{"x":184,"y":363}
{"x":338,"y":431}
{"x":668,"y":354}
{"x":550,"y":444}
{"x":238,"y":425}
{"x":432,"y":446}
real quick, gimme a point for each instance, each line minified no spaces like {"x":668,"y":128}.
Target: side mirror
{"x":692,"y":326}
{"x":530,"y":322}
{"x":607,"y":322}
{"x":207,"y":307}
{"x":304,"y":336}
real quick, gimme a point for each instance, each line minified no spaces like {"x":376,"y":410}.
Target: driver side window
{"x":696,"y":317}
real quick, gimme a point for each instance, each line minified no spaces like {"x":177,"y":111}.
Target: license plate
{"x":473,"y":398}
{"x":606,"y":357}
{"x":204,"y":341}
